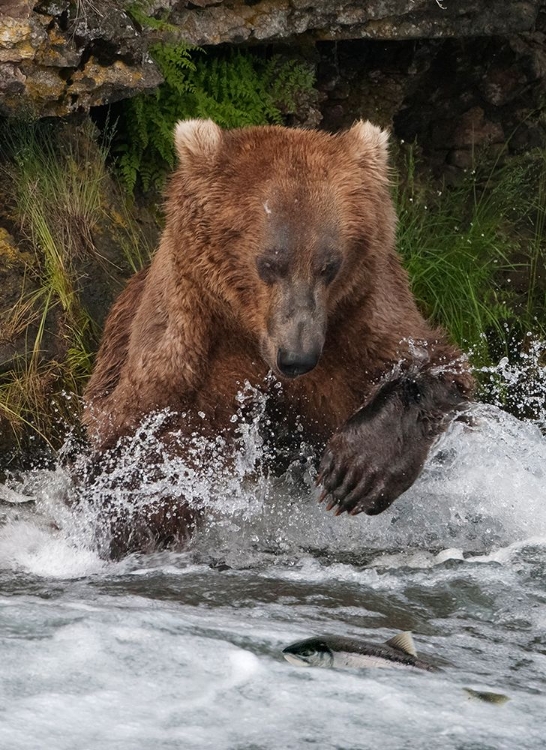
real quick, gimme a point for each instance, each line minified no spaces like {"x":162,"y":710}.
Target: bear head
{"x":283,"y":229}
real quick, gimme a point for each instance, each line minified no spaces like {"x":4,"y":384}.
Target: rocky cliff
{"x":63,"y":56}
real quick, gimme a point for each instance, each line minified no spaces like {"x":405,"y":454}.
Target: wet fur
{"x":190,"y":330}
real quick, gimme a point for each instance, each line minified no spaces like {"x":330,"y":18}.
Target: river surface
{"x":183,"y":650}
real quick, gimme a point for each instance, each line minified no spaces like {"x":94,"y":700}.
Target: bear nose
{"x":293,"y":364}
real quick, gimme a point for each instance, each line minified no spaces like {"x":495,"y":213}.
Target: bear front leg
{"x":380,"y":451}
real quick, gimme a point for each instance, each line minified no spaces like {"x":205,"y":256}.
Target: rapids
{"x":182,"y":650}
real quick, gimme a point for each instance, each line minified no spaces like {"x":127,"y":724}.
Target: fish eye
{"x":307,"y":652}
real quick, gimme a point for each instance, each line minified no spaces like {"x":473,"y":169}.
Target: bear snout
{"x":291,"y":364}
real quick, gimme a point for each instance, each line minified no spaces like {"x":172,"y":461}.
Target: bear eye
{"x":330,"y":269}
{"x":270,"y":269}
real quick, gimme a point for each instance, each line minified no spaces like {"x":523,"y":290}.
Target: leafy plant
{"x":233,"y":88}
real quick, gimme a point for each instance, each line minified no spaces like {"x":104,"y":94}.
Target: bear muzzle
{"x":291,"y":364}
{"x":296,"y":328}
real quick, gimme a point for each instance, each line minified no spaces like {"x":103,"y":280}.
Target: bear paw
{"x":379,"y":452}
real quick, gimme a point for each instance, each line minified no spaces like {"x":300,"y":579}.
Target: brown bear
{"x":278,"y":257}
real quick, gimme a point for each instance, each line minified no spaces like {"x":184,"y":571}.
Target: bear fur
{"x":278,"y":255}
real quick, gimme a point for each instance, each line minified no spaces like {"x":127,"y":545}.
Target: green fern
{"x":234,"y":89}
{"x":287,"y":79}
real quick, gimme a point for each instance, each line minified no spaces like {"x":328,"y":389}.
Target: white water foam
{"x":483,"y":488}
{"x":130,"y":673}
{"x":162,"y":651}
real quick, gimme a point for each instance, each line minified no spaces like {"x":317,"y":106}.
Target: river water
{"x":182,"y":650}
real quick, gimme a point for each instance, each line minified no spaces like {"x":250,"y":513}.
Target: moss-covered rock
{"x":57,"y":58}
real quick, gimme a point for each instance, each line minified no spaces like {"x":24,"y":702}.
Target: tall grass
{"x":536,"y":245}
{"x":462,"y":244}
{"x":59,"y":186}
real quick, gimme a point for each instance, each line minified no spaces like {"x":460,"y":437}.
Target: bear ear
{"x":370,"y":144}
{"x":196,"y":139}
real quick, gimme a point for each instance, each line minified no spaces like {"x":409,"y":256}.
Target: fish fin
{"x":403,"y":642}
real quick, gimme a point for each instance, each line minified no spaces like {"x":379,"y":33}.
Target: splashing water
{"x":484,"y":486}
{"x":183,"y":649}
{"x":520,"y":385}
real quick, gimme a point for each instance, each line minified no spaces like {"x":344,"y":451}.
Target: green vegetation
{"x":140,"y":11}
{"x":476,"y":255}
{"x":535,"y":256}
{"x":57,"y":202}
{"x":470,"y":248}
{"x":233,"y":88}
{"x":56,"y":186}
